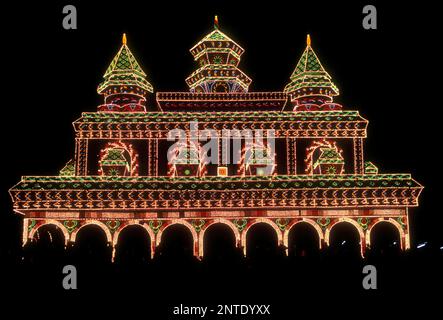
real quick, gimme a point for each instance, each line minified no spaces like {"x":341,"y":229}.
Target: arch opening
{"x":176,"y":243}
{"x":47,"y":245}
{"x":261,"y":241}
{"x":219,"y":243}
{"x":303,"y":240}
{"x":91,"y":245}
{"x":385,"y":239}
{"x":345,"y":239}
{"x":133,"y":245}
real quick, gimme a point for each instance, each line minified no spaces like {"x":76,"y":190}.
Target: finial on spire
{"x":124,"y":39}
{"x":308,"y":40}
{"x":215,"y":22}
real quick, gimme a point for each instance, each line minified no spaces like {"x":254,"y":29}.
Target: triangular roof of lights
{"x":309,"y":72}
{"x":124,"y":60}
{"x":125,"y":70}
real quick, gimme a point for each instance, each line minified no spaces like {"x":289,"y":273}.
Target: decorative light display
{"x":330,"y":160}
{"x":187,"y":159}
{"x":115,"y":178}
{"x":125,"y":85}
{"x":310,"y":84}
{"x":118,"y":159}
{"x":257,"y":159}
{"x":69,"y":169}
{"x":370,"y":168}
{"x":218,"y":57}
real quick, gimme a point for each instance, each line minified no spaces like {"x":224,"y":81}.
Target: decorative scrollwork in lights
{"x":329,"y":161}
{"x":118,"y":159}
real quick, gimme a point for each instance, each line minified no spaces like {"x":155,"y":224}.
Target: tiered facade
{"x":126,"y":171}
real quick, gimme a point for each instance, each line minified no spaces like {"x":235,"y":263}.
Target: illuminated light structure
{"x":218,"y":57}
{"x":120,"y":175}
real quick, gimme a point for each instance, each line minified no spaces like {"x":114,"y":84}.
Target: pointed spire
{"x":216,"y":26}
{"x":124,"y":76}
{"x":124,"y":61}
{"x":124,"y":69}
{"x":310,"y":79}
{"x":308,"y":61}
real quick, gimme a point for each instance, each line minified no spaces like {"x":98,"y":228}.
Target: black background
{"x":391,"y":75}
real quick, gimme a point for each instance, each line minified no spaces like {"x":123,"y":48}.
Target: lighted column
{"x":153,"y":157}
{"x":153,"y":246}
{"x":291,"y":147}
{"x":220,"y":152}
{"x":406,"y":239}
{"x":196,"y":250}
{"x":25,"y":232}
{"x":363,"y":246}
{"x":81,"y":153}
{"x":358,"y":155}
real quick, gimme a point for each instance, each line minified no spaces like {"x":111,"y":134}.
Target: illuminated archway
{"x":217,"y":221}
{"x":340,"y":220}
{"x":93,"y":222}
{"x":91,"y":244}
{"x":47,"y":245}
{"x":51,"y":222}
{"x":149,"y":231}
{"x":404,"y":244}
{"x":265,"y":221}
{"x":361,"y":234}
{"x":310,"y":222}
{"x":187,"y":225}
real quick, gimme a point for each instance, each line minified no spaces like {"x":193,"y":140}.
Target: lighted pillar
{"x":322,"y":244}
{"x":153,"y":248}
{"x":220,"y":159}
{"x":196,"y":249}
{"x":239,"y":148}
{"x":81,"y":152}
{"x":153,"y":157}
{"x":358,"y":155}
{"x":291,"y":147}
{"x":113,"y":253}
{"x":243,"y":241}
{"x":406,"y":240}
{"x":25,"y":232}
{"x":363,"y":246}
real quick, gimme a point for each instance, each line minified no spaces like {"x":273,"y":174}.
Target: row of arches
{"x":259,"y":237}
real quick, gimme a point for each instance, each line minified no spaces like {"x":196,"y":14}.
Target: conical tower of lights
{"x":125,"y":86}
{"x":218,"y":57}
{"x":310,"y":83}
